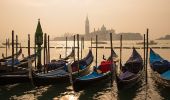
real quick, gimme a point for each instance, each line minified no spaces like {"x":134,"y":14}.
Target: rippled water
{"x":102,"y":91}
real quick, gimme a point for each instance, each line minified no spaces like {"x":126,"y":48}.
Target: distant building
{"x":167,"y":37}
{"x":103,"y":34}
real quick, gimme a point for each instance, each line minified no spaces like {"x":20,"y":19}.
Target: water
{"x":151,"y":91}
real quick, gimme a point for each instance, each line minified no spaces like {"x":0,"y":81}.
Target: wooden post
{"x":81,"y":46}
{"x":111,"y":45}
{"x":6,"y":47}
{"x":74,"y":47}
{"x":78,"y":53}
{"x":83,"y":43}
{"x":120,"y":52}
{"x":8,"y":43}
{"x":48,"y":48}
{"x":147,"y":31}
{"x":66,"y":48}
{"x":12,"y":50}
{"x":144,"y":54}
{"x":16,"y":45}
{"x":91,"y":43}
{"x":96,"y":50}
{"x":45,"y":35}
{"x":29,"y":45}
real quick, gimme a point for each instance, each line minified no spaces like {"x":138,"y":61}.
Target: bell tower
{"x":87,"y":31}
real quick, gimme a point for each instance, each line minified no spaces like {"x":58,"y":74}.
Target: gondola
{"x":54,"y":64}
{"x":71,"y":55}
{"x":18,"y":64}
{"x":61,"y":75}
{"x":160,"y":69}
{"x":9,"y":57}
{"x":19,"y":74}
{"x":101,"y":73}
{"x":131,"y":73}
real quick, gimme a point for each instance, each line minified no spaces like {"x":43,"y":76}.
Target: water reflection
{"x":11,"y":91}
{"x":163,"y":91}
{"x":55,"y":91}
{"x":128,"y":94}
{"x":95,"y":91}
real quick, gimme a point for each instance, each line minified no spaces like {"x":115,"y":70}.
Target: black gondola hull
{"x":11,"y":79}
{"x":124,"y":84}
{"x":79,"y":85}
{"x":43,"y":80}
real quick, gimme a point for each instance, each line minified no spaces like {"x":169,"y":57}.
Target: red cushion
{"x":105,"y":66}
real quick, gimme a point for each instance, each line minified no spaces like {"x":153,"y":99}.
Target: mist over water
{"x":102,"y":91}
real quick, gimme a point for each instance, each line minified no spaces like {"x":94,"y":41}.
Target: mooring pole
{"x":81,"y":46}
{"x":66,"y":48}
{"x":29,"y":45}
{"x":45,"y":37}
{"x":78,"y":54}
{"x":16,"y":45}
{"x":120,"y":52}
{"x":91,"y":43}
{"x":96,"y":50}
{"x":147,"y":47}
{"x":74,"y":48}
{"x":144,"y":52}
{"x":111,"y":45}
{"x":48,"y":48}
{"x":12,"y":50}
{"x":6,"y":47}
{"x":8,"y":43}
{"x":83,"y":43}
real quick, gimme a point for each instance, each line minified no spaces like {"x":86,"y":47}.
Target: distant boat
{"x":10,"y":43}
{"x":100,"y":42}
{"x":150,"y":43}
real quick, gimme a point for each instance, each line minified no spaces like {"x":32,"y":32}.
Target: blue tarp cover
{"x":166,"y":75}
{"x":91,"y":75}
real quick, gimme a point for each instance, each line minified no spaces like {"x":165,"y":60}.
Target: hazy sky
{"x":60,"y":16}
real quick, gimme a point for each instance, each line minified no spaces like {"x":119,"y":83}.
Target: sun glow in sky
{"x":60,"y":16}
